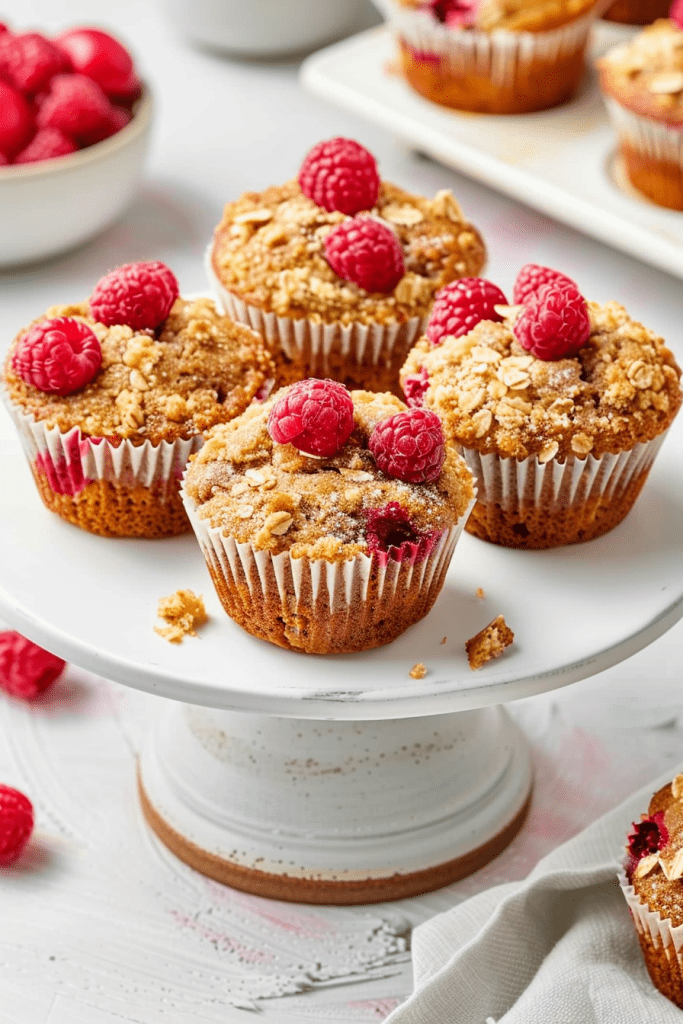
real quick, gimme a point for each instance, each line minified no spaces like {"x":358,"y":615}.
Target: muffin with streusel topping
{"x":492,"y":57}
{"x":338,"y":269}
{"x":652,"y":883}
{"x":111,"y":396}
{"x":558,"y":405}
{"x":642,"y":85}
{"x":328,"y":518}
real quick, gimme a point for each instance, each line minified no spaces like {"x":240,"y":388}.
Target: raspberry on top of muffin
{"x":550,"y":377}
{"x":325,"y":474}
{"x":338,"y":244}
{"x":513,"y":15}
{"x":646,"y":74}
{"x":136,"y":362}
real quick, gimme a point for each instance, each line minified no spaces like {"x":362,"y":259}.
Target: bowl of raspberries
{"x":74,"y":127}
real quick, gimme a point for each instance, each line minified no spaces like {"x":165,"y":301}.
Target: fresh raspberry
{"x":409,"y":446}
{"x":137,"y":294}
{"x":316,"y":416}
{"x":676,"y":12}
{"x":16,"y":120}
{"x":454,"y":13}
{"x":46,"y":144}
{"x":390,"y":533}
{"x":340,"y":174}
{"x":461,"y":305}
{"x":531,"y":279}
{"x":366,"y":252}
{"x":25,"y":668}
{"x":28,"y":61}
{"x":76,"y":105}
{"x":554,"y":323}
{"x":58,"y":356}
{"x":3,"y":160}
{"x":118,"y":118}
{"x":415,"y":387}
{"x":16,"y":823}
{"x":101,"y":57}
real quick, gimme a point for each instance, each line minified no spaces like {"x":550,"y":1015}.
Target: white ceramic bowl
{"x":263,"y":27}
{"x":51,"y":206}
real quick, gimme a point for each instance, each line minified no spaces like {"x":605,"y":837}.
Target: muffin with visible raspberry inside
{"x":338,"y":270}
{"x":111,"y":396}
{"x":652,"y":883}
{"x":642,"y":85}
{"x":328,"y":518}
{"x":491,"y":57}
{"x":558,"y":405}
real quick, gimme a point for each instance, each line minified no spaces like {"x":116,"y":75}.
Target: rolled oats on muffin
{"x":328,"y":519}
{"x":651,"y":880}
{"x":559,"y":406}
{"x":492,"y":57}
{"x":642,"y":86}
{"x":111,"y":396}
{"x":338,"y":269}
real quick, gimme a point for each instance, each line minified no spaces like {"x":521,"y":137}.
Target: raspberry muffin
{"x":111,"y":396}
{"x":338,"y":269}
{"x":652,"y":883}
{"x":328,"y":518}
{"x":491,"y":57}
{"x":642,"y":85}
{"x":558,"y":405}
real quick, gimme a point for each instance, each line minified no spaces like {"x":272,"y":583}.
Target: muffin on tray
{"x":559,"y":406}
{"x":652,"y":883}
{"x":642,"y":85}
{"x":338,"y":269}
{"x":328,"y":518}
{"x":111,"y":396}
{"x":491,"y":57}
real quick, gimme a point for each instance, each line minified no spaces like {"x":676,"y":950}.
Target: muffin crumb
{"x":489,"y":642}
{"x":418,"y":671}
{"x":184,"y":611}
{"x":443,"y":641}
{"x":481,"y":593}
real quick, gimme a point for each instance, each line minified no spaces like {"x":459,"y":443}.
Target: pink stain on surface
{"x":306,"y":926}
{"x":381,"y":1008}
{"x":221,"y":940}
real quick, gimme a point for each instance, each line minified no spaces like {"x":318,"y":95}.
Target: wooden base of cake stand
{"x":335,"y":812}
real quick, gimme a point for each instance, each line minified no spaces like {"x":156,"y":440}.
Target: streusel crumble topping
{"x":269,"y":251}
{"x":647,"y":72}
{"x":200,"y":370}
{"x":623,"y":386}
{"x":513,"y":15}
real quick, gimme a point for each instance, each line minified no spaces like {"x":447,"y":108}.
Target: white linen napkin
{"x":557,"y":948}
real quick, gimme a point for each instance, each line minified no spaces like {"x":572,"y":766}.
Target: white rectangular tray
{"x":561,"y":161}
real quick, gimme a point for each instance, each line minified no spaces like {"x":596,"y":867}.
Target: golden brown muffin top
{"x":646,"y":74}
{"x":269,"y":251}
{"x":654,"y":851}
{"x":278,"y":498}
{"x":198,"y":370}
{"x":512,"y":15}
{"x":623,"y":386}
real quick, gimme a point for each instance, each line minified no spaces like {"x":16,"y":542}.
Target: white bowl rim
{"x":138,"y":123}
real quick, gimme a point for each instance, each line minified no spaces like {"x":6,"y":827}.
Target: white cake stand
{"x":341,"y":779}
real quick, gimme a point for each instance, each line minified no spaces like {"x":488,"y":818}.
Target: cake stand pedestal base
{"x":338,"y":812}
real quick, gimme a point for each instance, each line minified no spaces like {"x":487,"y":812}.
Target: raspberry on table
{"x":16,"y":823}
{"x":29,"y":61}
{"x":461,"y":305}
{"x":409,"y":446}
{"x":531,"y":279}
{"x":137,"y":294}
{"x":367,"y":253}
{"x":75,"y":105}
{"x":46,"y":144}
{"x":554,"y":322}
{"x":101,"y":57}
{"x":316,"y":416}
{"x":16,"y":124}
{"x":340,"y":174}
{"x":25,"y":668}
{"x":58,"y":356}
{"x":415,"y":387}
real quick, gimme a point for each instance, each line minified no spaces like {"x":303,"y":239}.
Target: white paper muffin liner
{"x":71,"y":460}
{"x":655,"y":139}
{"x":497,"y":55}
{"x":302,"y":340}
{"x":319,"y":587}
{"x":660,"y":931}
